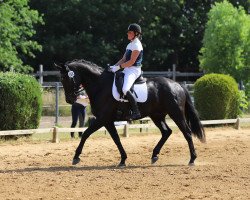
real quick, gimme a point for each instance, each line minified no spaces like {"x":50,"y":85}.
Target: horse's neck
{"x":96,"y":86}
{"x":90,"y":81}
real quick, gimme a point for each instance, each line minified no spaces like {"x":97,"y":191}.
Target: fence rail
{"x":125,"y":127}
{"x":26,"y":131}
{"x":170,"y":74}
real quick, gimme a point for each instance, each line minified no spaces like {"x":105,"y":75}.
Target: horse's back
{"x":163,"y":84}
{"x":165,"y":93}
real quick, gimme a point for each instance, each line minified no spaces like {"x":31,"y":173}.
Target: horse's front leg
{"x":113,"y":132}
{"x":91,"y":129}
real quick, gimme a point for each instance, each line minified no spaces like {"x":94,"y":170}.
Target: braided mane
{"x":85,"y":64}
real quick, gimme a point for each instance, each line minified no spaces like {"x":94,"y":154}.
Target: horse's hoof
{"x":76,"y":161}
{"x":191,"y":164}
{"x":121,"y":165}
{"x":154,"y":159}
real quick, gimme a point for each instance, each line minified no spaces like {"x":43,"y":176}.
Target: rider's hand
{"x":114,"y":68}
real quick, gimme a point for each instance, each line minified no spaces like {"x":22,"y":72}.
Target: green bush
{"x":20,"y":101}
{"x":247,"y":89}
{"x":217,"y":96}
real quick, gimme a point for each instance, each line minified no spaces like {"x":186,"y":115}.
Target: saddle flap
{"x":119,"y":80}
{"x":140,"y":90}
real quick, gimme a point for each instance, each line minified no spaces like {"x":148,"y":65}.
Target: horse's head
{"x":71,"y":82}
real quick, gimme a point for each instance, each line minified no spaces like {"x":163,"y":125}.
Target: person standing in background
{"x":78,"y":110}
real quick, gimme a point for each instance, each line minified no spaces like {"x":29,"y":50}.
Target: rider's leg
{"x":132,"y":100}
{"x":131,"y":74}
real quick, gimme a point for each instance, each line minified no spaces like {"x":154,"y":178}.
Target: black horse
{"x":164,"y":97}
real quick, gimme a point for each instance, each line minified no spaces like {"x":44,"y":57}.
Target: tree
{"x":99,"y":33}
{"x":17,"y":22}
{"x":96,"y":30}
{"x":226,"y":42}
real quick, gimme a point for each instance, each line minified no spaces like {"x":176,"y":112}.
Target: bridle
{"x":71,"y":74}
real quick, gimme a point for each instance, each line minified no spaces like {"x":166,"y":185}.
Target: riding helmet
{"x":135,"y":28}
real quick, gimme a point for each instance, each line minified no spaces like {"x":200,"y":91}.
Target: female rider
{"x":131,"y":65}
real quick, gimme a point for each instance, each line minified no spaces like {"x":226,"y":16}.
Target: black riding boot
{"x":135,"y":111}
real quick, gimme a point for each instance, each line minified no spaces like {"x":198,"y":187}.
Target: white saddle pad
{"x":141,"y":91}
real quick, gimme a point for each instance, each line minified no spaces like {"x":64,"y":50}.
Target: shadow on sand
{"x":86,"y":168}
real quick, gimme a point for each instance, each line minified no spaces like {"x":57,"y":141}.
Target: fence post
{"x":55,"y":138}
{"x":237,"y":125}
{"x":174,"y":72}
{"x":41,"y":74}
{"x":185,"y":84}
{"x":169,"y":73}
{"x":125,"y":130}
{"x":57,"y":103}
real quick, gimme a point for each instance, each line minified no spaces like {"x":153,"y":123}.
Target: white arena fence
{"x":145,"y":124}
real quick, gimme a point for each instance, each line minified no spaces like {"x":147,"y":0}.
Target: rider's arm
{"x":129,"y":63}
{"x":122,"y":60}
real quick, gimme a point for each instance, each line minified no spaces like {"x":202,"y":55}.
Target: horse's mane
{"x":81,"y":63}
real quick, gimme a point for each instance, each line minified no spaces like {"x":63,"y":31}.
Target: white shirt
{"x":132,"y":46}
{"x":83,"y":100}
{"x":135,"y":45}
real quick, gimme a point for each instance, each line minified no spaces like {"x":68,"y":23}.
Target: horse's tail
{"x":193,"y":118}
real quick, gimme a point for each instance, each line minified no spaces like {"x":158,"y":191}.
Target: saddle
{"x":119,"y":81}
{"x":139,"y":88}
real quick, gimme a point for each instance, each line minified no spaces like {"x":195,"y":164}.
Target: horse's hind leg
{"x":165,"y":132}
{"x":180,"y":121}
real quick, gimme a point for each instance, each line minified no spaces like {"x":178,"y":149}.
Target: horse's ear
{"x":58,"y":66}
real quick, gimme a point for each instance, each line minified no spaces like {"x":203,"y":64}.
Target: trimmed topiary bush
{"x":20,"y":101}
{"x":216,"y":96}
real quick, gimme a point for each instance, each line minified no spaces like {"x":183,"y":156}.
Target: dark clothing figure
{"x":78,"y":111}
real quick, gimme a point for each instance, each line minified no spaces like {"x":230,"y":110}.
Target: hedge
{"x":217,"y":96}
{"x":20,"y":101}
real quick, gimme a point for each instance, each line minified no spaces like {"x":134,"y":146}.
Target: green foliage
{"x":16,"y":30}
{"x":20,"y":101}
{"x":227,"y":42}
{"x":247,"y":89}
{"x":96,"y":30}
{"x":247,"y":92}
{"x":243,"y":101}
{"x":216,"y":96}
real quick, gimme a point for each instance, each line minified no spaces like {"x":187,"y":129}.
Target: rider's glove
{"x":114,"y":68}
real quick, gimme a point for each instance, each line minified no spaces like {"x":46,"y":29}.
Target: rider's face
{"x":131,"y":35}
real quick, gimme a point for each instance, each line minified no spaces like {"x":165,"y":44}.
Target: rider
{"x":131,"y":65}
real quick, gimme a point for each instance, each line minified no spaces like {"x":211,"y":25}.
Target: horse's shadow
{"x":86,"y":168}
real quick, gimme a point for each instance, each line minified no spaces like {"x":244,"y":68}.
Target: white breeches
{"x":131,"y":74}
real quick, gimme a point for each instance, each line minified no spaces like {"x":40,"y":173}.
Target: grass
{"x":246,"y":115}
